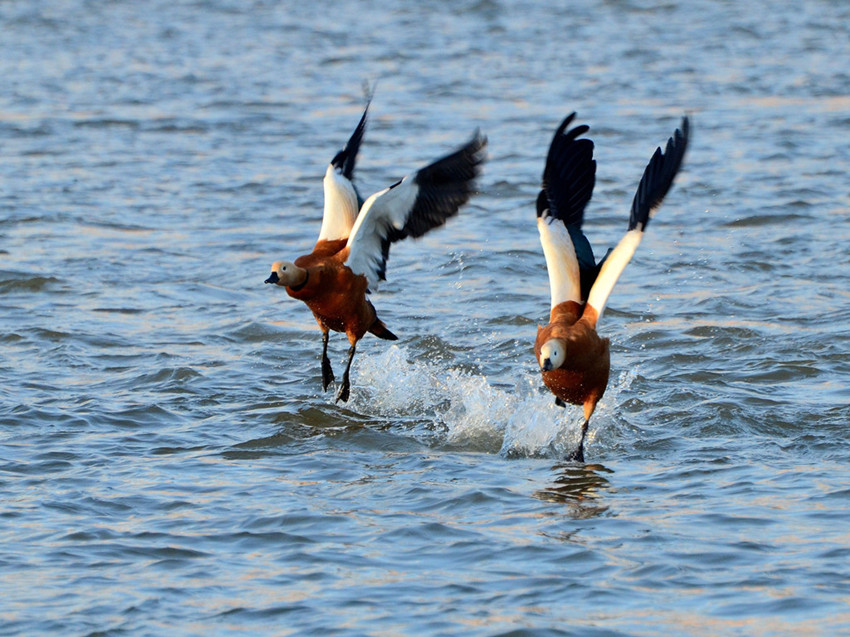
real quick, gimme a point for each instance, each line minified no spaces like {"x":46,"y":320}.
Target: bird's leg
{"x":578,"y":454}
{"x":589,"y":408}
{"x":345,"y":388}
{"x":327,"y":371}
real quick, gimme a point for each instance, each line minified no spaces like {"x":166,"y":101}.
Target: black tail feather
{"x":658,"y":176}
{"x":382,"y":331}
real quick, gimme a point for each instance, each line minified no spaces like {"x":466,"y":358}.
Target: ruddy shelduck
{"x":573,"y":358}
{"x":350,"y":256}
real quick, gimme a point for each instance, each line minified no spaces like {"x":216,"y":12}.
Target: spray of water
{"x":465,"y":408}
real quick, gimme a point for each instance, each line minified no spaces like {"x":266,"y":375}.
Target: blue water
{"x":168,"y":461}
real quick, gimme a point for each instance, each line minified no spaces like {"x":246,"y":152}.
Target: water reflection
{"x":580,"y":487}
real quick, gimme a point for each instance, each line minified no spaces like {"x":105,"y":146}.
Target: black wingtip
{"x":459,"y":168}
{"x":569,"y":175}
{"x":345,"y":159}
{"x":475,"y":150}
{"x":369,"y":91}
{"x":444,"y":186}
{"x":659,"y":175}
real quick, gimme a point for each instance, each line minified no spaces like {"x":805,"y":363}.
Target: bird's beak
{"x":547,"y":365}
{"x":273,"y":278}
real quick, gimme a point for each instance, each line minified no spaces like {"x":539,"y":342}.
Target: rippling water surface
{"x":168,"y":461}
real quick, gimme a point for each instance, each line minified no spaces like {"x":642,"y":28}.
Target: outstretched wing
{"x":411,"y":207}
{"x":655,"y":183}
{"x":342,"y":201}
{"x":568,"y":180}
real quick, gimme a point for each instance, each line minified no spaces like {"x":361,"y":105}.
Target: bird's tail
{"x":381,"y":331}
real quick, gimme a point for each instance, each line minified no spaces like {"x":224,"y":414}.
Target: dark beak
{"x":547,"y":365}
{"x":273,"y":278}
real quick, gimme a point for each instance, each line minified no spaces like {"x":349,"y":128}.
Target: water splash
{"x":464,"y":407}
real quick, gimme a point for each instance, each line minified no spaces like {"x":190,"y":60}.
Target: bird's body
{"x":335,"y":294}
{"x":349,"y":258}
{"x":574,"y":360}
{"x":582,"y":379}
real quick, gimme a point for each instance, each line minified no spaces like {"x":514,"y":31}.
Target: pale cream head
{"x":552,"y":354}
{"x":286,"y":273}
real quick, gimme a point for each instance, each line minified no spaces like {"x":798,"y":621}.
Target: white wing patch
{"x":612,"y":269}
{"x":561,"y":261}
{"x":388,"y":208}
{"x":340,"y":206}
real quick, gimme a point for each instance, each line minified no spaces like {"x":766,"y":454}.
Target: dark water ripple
{"x":168,"y":461}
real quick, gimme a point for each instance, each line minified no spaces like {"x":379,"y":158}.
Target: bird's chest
{"x":571,"y":386}
{"x":336,"y":296}
{"x":332,"y":311}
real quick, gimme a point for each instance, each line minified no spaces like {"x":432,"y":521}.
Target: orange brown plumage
{"x":574,"y":360}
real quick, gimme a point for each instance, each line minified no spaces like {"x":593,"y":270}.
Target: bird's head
{"x":552,"y":354}
{"x":286,"y":274}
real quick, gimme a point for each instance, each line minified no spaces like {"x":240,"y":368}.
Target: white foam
{"x":465,"y":407}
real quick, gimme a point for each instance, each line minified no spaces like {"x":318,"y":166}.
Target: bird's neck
{"x":302,"y":283}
